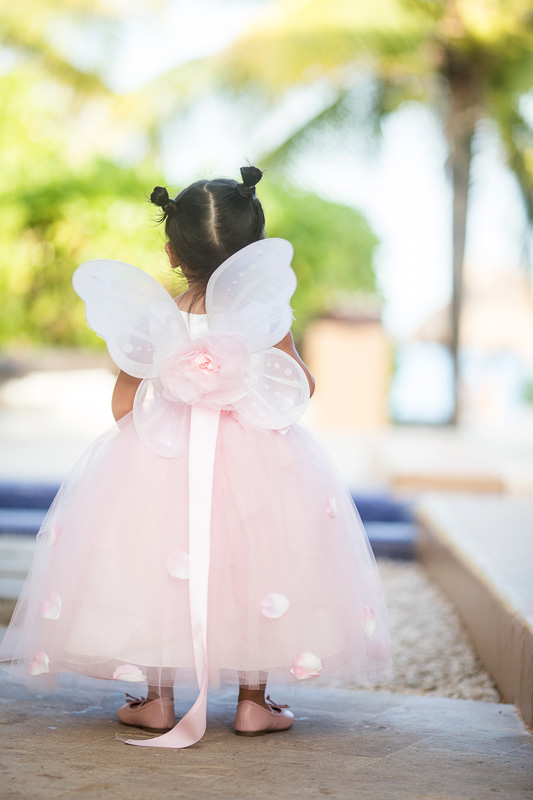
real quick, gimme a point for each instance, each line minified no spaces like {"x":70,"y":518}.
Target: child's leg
{"x":155,"y":690}
{"x":253,"y":721}
{"x":256,"y":695}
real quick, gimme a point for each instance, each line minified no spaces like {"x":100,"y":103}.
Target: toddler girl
{"x":209,"y":537}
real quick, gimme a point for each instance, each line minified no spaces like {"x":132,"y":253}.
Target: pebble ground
{"x":432,"y":652}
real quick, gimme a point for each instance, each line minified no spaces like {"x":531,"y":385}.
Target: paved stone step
{"x":21,"y":520}
{"x":344,"y":744}
{"x":392,"y":539}
{"x":28,"y":495}
{"x":10,"y":588}
{"x":479,"y":549}
{"x":15,"y":567}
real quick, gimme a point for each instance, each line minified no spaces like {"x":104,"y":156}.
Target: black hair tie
{"x":170,"y":208}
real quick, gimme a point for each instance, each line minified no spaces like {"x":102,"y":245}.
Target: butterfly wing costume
{"x":202,"y":398}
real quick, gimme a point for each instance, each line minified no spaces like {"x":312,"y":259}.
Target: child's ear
{"x":171,"y":256}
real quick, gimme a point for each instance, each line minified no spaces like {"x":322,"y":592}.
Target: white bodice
{"x":196,"y":323}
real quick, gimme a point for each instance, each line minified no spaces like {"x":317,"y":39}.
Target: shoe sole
{"x":156,"y":730}
{"x":261,"y":733}
{"x":143,"y":728}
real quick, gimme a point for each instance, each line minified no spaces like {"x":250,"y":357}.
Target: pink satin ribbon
{"x":202,"y":448}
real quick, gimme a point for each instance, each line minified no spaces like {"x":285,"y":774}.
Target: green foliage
{"x":56,"y":212}
{"x":333,"y":247}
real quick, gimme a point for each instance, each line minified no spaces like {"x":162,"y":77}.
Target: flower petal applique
{"x":331,"y":507}
{"x":55,"y":533}
{"x":368,"y":621}
{"x":178,"y":564}
{"x":51,"y":608}
{"x":306,"y":665}
{"x":40,"y":663}
{"x":274,"y":605}
{"x":129,"y":673}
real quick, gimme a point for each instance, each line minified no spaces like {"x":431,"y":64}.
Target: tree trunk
{"x":461,"y":123}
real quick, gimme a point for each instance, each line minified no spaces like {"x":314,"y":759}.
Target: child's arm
{"x":287,"y":345}
{"x":124,"y":394}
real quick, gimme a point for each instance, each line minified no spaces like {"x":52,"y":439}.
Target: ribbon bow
{"x":272,"y":704}
{"x":131,"y":700}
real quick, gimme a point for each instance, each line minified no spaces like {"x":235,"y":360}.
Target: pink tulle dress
{"x":208,"y":538}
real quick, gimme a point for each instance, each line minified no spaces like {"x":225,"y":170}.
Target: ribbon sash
{"x":202,"y":448}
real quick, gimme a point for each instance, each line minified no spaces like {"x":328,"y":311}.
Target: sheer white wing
{"x":249,"y":294}
{"x":279,"y":393}
{"x":162,"y":425}
{"x":136,"y":316}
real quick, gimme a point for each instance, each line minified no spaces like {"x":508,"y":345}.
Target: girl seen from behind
{"x":208,"y":538}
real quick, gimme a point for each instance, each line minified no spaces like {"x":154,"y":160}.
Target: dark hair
{"x":209,"y":221}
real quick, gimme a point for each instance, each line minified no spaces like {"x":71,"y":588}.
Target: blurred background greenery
{"x":84,"y":138}
{"x":60,"y":207}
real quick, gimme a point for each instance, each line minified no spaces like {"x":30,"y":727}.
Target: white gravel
{"x":432,"y":652}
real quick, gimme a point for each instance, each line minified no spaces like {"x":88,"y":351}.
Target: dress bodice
{"x":196,"y":323}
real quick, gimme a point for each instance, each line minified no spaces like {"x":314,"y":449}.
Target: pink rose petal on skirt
{"x":129,"y":673}
{"x":51,"y":608}
{"x":56,"y":532}
{"x":306,"y":665}
{"x":331,"y":507}
{"x":367,"y":618}
{"x":274,"y":605}
{"x":178,"y":564}
{"x":40,"y":663}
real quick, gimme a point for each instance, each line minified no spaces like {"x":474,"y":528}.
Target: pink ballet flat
{"x":156,"y":716}
{"x":252,"y":719}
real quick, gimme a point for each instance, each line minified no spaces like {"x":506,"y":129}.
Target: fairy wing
{"x":162,"y":425}
{"x":136,"y":316}
{"x":249,"y":294}
{"x":279,"y":393}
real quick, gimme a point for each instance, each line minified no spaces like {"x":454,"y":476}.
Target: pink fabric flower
{"x":55,"y":533}
{"x":129,"y":673}
{"x":211,"y":370}
{"x":274,"y":605}
{"x":331,"y":507}
{"x":40,"y":663}
{"x":178,"y":564}
{"x":51,"y":607}
{"x":306,"y":665}
{"x":368,"y":620}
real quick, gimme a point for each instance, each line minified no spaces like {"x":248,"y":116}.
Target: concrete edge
{"x":500,"y":635}
{"x":424,"y":521}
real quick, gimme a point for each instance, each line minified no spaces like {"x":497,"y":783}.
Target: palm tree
{"x":471,"y":59}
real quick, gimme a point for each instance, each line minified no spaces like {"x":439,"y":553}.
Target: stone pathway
{"x":344,"y":744}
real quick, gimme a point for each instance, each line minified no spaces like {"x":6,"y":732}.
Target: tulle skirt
{"x":294,"y":591}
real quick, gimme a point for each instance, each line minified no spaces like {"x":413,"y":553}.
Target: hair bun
{"x":159,"y":197}
{"x":250,"y":177}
